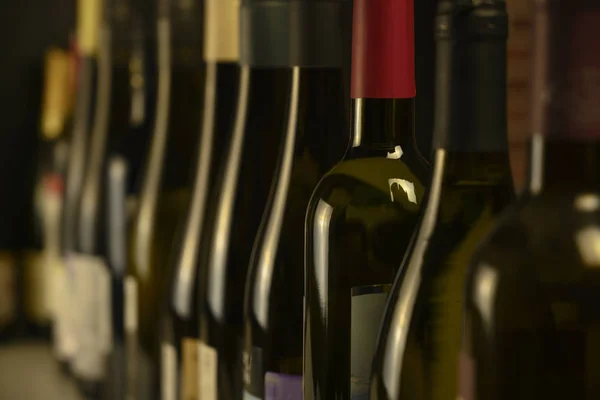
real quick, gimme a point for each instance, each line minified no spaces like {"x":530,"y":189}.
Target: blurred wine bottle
{"x":531,"y":319}
{"x":417,"y":353}
{"x":241,"y":193}
{"x":165,"y":189}
{"x":179,"y":327}
{"x":90,"y":269}
{"x":362,"y":215}
{"x":42,"y":248}
{"x":135,"y":40}
{"x":315,"y":137}
{"x":88,"y":24}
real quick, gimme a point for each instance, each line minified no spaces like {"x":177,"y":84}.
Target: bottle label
{"x":221,"y":21}
{"x":248,"y":396}
{"x":8,"y":293}
{"x":93,"y":315}
{"x":88,"y":25}
{"x":254,"y":375}
{"x":131,"y":305}
{"x":135,"y":365}
{"x":168,"y":372}
{"x":65,"y":344}
{"x":466,"y":380}
{"x":36,"y":280}
{"x":283,"y":387}
{"x":368,"y":305}
{"x":207,"y":371}
{"x":190,"y":348}
{"x":56,"y":93}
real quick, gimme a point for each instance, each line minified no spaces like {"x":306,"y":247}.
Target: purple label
{"x":283,"y":387}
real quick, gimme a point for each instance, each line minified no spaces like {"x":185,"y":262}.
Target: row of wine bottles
{"x":240,"y":215}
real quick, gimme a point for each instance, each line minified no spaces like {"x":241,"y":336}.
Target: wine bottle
{"x":88,"y":22}
{"x":165,"y":189}
{"x":240,"y":198}
{"x":315,"y":135}
{"x":127,"y":148}
{"x":48,"y":168}
{"x":92,"y":275}
{"x":532,"y":295}
{"x":179,"y":327}
{"x":418,"y":345}
{"x":363,"y":212}
{"x":53,"y":126}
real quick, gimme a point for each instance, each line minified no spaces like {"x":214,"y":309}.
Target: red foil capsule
{"x":383,"y":49}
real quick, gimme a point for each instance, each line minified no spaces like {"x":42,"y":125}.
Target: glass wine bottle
{"x":165,"y":189}
{"x":179,"y":327}
{"x":533,"y":291}
{"x":243,"y":184}
{"x":418,"y":346}
{"x":89,"y":14}
{"x":363,"y":213}
{"x":315,"y":135}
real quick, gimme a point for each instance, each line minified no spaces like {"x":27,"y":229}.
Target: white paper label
{"x":168,"y":372}
{"x":368,"y":306}
{"x":65,"y":343}
{"x":131,"y":305}
{"x":207,"y":372}
{"x":248,"y":396}
{"x":93,"y":315}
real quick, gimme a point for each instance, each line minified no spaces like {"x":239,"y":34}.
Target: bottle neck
{"x":383,"y":123}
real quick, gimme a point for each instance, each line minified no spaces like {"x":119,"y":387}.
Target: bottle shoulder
{"x":372,"y":180}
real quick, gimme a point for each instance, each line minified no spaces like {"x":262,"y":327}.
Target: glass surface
{"x":317,"y":133}
{"x":243,"y":187}
{"x":420,"y":338}
{"x":359,"y":223}
{"x":180,"y":320}
{"x":154,"y":229}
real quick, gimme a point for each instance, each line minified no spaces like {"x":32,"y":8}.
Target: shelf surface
{"x":29,"y":372}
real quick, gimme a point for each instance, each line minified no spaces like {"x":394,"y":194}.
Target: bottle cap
{"x":383,"y":49}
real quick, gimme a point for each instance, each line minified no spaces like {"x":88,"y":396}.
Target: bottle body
{"x":244,"y":182}
{"x":537,"y":262}
{"x":419,"y":342}
{"x":314,"y":141}
{"x":359,"y":223}
{"x":179,"y":325}
{"x":164,"y":195}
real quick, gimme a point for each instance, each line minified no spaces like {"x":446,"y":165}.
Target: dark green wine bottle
{"x":88,"y":26}
{"x":165,"y":189}
{"x":243,"y":184}
{"x":179,"y":325}
{"x":418,"y":346}
{"x":363,"y":212}
{"x":533,"y":293}
{"x":91,"y":271}
{"x":315,"y":136}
